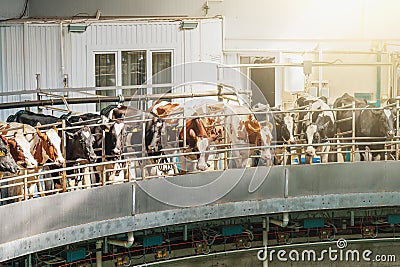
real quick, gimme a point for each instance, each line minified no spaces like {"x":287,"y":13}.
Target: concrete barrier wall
{"x":62,"y":219}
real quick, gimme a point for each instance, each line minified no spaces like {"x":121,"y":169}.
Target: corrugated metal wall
{"x":12,"y":69}
{"x":28,"y":49}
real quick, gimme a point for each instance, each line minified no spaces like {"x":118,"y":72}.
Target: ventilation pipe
{"x":99,"y":262}
{"x":282,"y":223}
{"x":125,"y":244}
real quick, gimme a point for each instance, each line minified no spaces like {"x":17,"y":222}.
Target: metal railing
{"x":136,"y":165}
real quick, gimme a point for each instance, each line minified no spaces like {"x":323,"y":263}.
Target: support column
{"x":99,"y":260}
{"x":265,"y":229}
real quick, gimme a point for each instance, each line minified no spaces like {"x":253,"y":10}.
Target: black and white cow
{"x":284,"y":130}
{"x":114,"y":138}
{"x":369,"y":122}
{"x":319,"y":125}
{"x":79,"y":142}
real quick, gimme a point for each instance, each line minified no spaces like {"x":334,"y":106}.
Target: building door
{"x":264,"y":78}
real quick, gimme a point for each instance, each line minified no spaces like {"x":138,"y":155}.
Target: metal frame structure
{"x":131,"y":205}
{"x":69,"y":218}
{"x":132,"y":163}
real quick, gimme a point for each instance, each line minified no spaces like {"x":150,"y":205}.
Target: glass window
{"x":133,"y":67}
{"x":105,"y":75}
{"x":134,"y":72}
{"x":161,"y":71}
{"x":105,"y":70}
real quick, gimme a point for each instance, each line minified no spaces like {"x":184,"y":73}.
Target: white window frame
{"x":118,"y":67}
{"x":150,"y":67}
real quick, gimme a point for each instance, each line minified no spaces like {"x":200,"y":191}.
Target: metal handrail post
{"x":353,"y":131}
{"x":103,"y":158}
{"x":63,"y":147}
{"x":25,"y":185}
{"x":397,"y":127}
{"x":143,"y":165}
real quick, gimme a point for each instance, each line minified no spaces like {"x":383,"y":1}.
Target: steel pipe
{"x":126,"y":244}
{"x":99,"y":260}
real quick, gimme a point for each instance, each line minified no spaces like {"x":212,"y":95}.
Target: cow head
{"x":266,"y":138}
{"x":197,"y":141}
{"x":284,"y":127}
{"x":253,"y":133}
{"x":7,"y":163}
{"x":387,"y":120}
{"x":20,"y":151}
{"x":115,"y":137}
{"x":317,"y":133}
{"x":85,"y":139}
{"x":288,"y":129}
{"x":154,"y":131}
{"x":51,"y":145}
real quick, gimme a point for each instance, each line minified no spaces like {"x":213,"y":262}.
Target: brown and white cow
{"x":32,"y":148}
{"x":194,"y":138}
{"x":162,"y":120}
{"x":236,"y":126}
{"x":7,"y":163}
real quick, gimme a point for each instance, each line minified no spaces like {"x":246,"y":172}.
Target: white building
{"x":355,"y":41}
{"x":88,"y":54}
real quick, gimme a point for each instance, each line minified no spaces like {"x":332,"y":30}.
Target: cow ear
{"x":55,"y":129}
{"x":42,"y":135}
{"x":105,"y":128}
{"x":69,"y":135}
{"x":270,"y":126}
{"x":192,"y":133}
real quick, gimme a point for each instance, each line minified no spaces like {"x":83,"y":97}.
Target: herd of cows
{"x":209,"y":136}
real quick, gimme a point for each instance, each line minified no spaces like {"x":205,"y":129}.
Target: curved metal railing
{"x":136,"y":165}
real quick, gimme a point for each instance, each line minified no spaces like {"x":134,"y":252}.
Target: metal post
{"x":143,"y":165}
{"x":185,"y":232}
{"x":28,"y":261}
{"x":353,"y":131}
{"x":225,"y":141}
{"x":38,"y":90}
{"x":99,"y":261}
{"x":220,"y":87}
{"x":63,"y":150}
{"x":265,"y":229}
{"x":103,"y":158}
{"x":284,"y":155}
{"x":128,"y":170}
{"x":25,"y":185}
{"x":397,"y":128}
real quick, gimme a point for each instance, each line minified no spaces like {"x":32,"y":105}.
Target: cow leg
{"x":111,"y":175}
{"x":3,"y":191}
{"x":308,"y":159}
{"x":87,"y":181}
{"x":325,"y":156}
{"x":367,"y":154}
{"x":40,"y":185}
{"x":13,"y":190}
{"x":278,"y":159}
{"x":120,"y":177}
{"x":175,"y":168}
